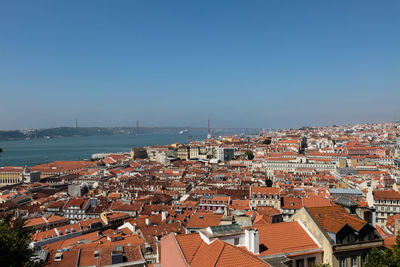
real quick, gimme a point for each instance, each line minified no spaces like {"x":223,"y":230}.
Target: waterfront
{"x":36,"y":151}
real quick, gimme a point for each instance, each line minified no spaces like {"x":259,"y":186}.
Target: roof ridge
{"x":195,"y":252}
{"x":243,"y":252}
{"x":220,"y":252}
{"x":180,"y":249}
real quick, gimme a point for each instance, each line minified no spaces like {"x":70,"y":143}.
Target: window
{"x":363,"y":258}
{"x":311,"y":262}
{"x":354,"y":261}
{"x":342,"y":262}
{"x":236,"y":241}
{"x":300,"y":263}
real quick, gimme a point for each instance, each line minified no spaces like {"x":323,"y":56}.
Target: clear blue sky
{"x":265,"y":64}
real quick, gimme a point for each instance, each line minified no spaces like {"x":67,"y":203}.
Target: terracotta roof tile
{"x":203,"y":220}
{"x":285,"y":237}
{"x":334,"y":218}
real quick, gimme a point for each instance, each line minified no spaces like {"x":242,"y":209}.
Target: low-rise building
{"x":386,"y":203}
{"x":345,"y":238}
{"x":265,"y":196}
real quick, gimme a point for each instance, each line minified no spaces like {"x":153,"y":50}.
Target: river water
{"x":36,"y":151}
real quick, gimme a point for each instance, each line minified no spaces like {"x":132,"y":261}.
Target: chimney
{"x":164,"y":215}
{"x":147,"y":221}
{"x":227,"y":211}
{"x":252,"y":240}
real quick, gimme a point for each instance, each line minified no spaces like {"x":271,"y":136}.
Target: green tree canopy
{"x":267,"y":141}
{"x":249,"y":155}
{"x":388,"y":257}
{"x":14,"y":243}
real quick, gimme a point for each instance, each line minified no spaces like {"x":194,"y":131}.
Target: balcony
{"x":357,"y":246}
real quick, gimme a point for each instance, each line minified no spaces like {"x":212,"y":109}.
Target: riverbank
{"x":37,"y":151}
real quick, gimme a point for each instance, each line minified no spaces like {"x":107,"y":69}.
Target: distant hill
{"x":80,"y":131}
{"x":11,"y":135}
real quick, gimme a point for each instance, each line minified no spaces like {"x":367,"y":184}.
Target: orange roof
{"x":204,"y":220}
{"x":76,"y":203}
{"x":35,"y":221}
{"x":262,"y":219}
{"x":292,"y":203}
{"x":334,"y":218}
{"x":63,"y":166}
{"x":386,"y":195}
{"x":315,"y":202}
{"x":45,"y":234}
{"x":12,"y":169}
{"x":218,"y":253}
{"x":269,"y":211}
{"x":56,"y":218}
{"x":285,"y":237}
{"x":264,"y":190}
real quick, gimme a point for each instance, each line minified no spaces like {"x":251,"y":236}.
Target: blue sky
{"x":272,"y":64}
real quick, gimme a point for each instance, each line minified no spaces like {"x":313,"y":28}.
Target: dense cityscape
{"x":173,"y":133}
{"x":299,"y":197}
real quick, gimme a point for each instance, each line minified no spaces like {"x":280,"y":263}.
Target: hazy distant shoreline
{"x":41,"y":150}
{"x":12,"y":135}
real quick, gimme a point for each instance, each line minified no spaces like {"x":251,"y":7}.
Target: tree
{"x":267,"y":141}
{"x":14,"y":243}
{"x":249,"y":155}
{"x":388,"y":257}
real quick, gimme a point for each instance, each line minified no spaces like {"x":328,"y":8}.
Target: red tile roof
{"x":264,"y":190}
{"x":386,"y":195}
{"x":334,"y":218}
{"x":218,"y":253}
{"x":315,"y":202}
{"x":284,"y":237}
{"x":204,"y":220}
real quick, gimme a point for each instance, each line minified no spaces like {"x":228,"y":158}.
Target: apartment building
{"x":386,"y":203}
{"x":345,"y":238}
{"x":265,"y":196}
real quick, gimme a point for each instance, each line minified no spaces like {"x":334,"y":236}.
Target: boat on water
{"x":183,"y":131}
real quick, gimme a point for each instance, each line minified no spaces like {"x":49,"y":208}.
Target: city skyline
{"x":260,"y":65}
